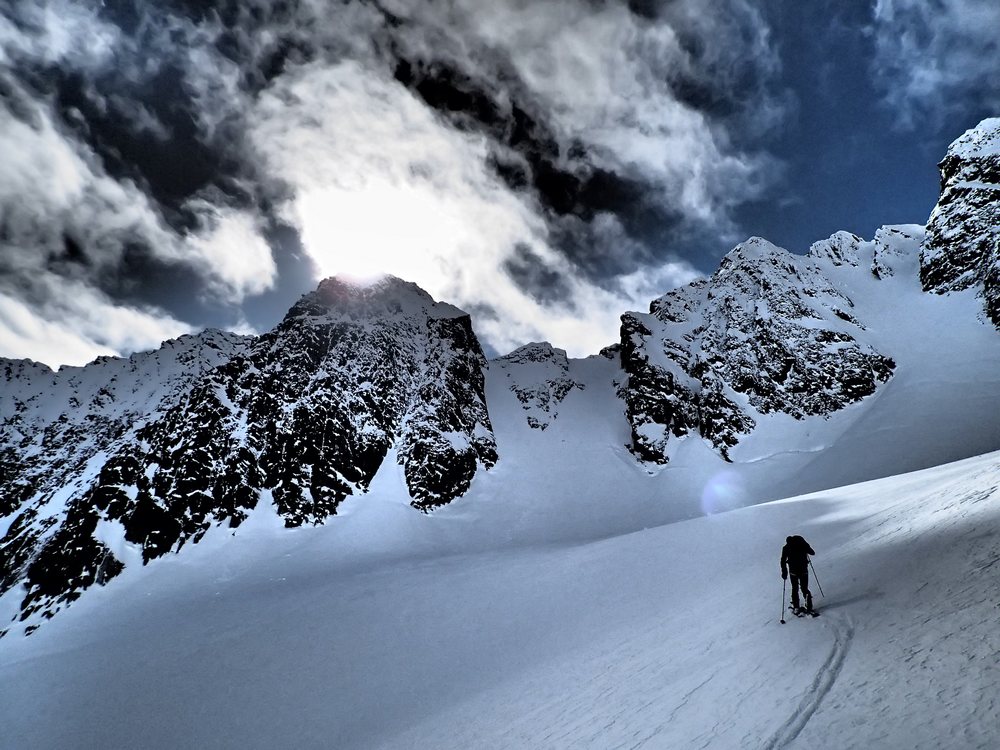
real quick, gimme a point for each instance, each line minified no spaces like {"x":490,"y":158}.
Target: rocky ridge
{"x":768,"y":332}
{"x":962,"y":248}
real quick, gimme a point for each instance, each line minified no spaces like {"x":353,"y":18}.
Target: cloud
{"x":932,"y":58}
{"x":393,"y":168}
{"x":67,"y":227}
{"x":549,"y":161}
{"x":230,"y":250}
{"x":652,"y":97}
{"x":74,"y":324}
{"x":380,"y":184}
{"x":57,"y":32}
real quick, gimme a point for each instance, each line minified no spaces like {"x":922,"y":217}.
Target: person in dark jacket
{"x":795,"y":560}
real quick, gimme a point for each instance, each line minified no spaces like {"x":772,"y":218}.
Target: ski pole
{"x":783,"y":581}
{"x":816,"y":578}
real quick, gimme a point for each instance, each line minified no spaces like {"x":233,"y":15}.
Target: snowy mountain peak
{"x":341,"y":296}
{"x":538,"y":376}
{"x":981,"y":141}
{"x":769,"y":332}
{"x":840,"y":248}
{"x":751,"y":252}
{"x":125,"y":460}
{"x":538,"y":351}
{"x":962,"y":247}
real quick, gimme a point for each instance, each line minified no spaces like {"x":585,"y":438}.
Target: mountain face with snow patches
{"x":962,"y":248}
{"x":768,"y":332}
{"x":538,"y":375}
{"x":304,"y":415}
{"x":60,"y":428}
{"x":778,"y":374}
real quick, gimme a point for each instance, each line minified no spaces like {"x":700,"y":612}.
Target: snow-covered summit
{"x":538,"y":374}
{"x":962,"y":248}
{"x":981,"y":141}
{"x":148,"y":453}
{"x":840,"y":248}
{"x":342,"y":296}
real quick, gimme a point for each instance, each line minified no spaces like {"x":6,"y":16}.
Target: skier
{"x":795,"y":559}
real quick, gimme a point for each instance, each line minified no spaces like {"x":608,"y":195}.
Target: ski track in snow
{"x":843,"y":634}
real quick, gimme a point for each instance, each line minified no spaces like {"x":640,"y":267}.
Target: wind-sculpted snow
{"x":307,"y":412}
{"x":767,"y":333}
{"x":962,"y":248}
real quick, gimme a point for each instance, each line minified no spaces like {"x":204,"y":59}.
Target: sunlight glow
{"x":382,"y":227}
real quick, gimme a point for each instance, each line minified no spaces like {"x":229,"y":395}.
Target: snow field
{"x":666,"y":637}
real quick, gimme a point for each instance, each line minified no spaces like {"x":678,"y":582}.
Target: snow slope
{"x":666,"y":637}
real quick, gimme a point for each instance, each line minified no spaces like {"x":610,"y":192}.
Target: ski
{"x":802,"y":612}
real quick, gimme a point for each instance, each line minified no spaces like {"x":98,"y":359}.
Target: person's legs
{"x":804,"y":585}
{"x":795,"y":590}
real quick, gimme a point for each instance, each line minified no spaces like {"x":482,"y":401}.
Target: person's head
{"x":788,"y":540}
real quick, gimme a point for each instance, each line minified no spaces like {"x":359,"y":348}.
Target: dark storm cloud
{"x":544,"y":283}
{"x":717,"y":62}
{"x":571,"y":190}
{"x":604,"y":134}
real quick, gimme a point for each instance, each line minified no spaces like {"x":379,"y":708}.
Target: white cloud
{"x":231,"y":252}
{"x":603,"y":76}
{"x":59,"y":31}
{"x":930,"y":55}
{"x":77,"y":324}
{"x":53,"y":188}
{"x":383,"y":186}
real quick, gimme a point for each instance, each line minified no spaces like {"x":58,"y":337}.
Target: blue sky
{"x":545,"y":166}
{"x":858,"y":152}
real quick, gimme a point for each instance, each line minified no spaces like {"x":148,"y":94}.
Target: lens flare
{"x":724,"y":491}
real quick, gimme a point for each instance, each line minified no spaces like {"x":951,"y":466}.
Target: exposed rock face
{"x":841,"y":249}
{"x":539,"y":377}
{"x":304,"y":415}
{"x":962,"y":248}
{"x":768,"y":332}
